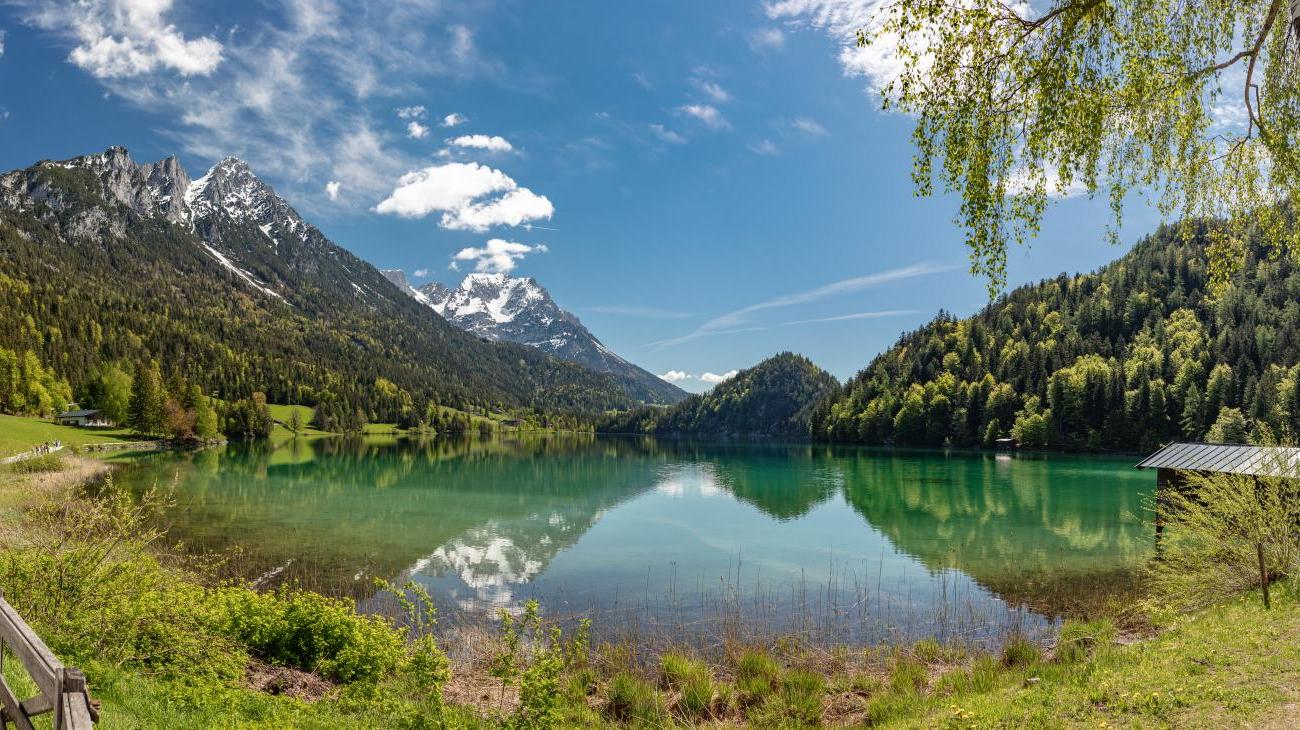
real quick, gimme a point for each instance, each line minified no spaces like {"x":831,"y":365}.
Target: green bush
{"x":694,"y":680}
{"x":311,"y":632}
{"x":1019,"y":651}
{"x":42,"y":464}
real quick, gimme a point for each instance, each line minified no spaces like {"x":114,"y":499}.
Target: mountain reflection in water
{"x":883,"y":540}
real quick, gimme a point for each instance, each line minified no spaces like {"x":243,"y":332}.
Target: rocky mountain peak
{"x":498,"y":306}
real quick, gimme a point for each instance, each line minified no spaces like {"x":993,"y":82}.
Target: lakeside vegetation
{"x":163,"y":644}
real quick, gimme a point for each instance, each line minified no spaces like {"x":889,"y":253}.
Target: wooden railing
{"x":62,"y":689}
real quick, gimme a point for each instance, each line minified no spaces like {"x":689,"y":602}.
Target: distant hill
{"x":223,"y":283}
{"x":775,"y":398}
{"x":1126,"y":358}
{"x":518,"y":309}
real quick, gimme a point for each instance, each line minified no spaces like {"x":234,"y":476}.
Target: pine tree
{"x":146,"y":408}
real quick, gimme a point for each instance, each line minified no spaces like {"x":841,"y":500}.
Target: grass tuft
{"x":1019,"y":651}
{"x":694,"y":680}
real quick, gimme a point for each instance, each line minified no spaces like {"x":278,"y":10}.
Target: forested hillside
{"x":774,"y":398}
{"x":94,"y":271}
{"x":1126,"y":358}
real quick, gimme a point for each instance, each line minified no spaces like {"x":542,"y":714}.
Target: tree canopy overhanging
{"x":1194,"y":105}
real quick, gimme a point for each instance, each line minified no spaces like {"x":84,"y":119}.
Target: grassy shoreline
{"x":1231,"y":664}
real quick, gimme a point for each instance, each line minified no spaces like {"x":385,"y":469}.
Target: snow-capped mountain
{"x":223,"y":273}
{"x":502,"y":307}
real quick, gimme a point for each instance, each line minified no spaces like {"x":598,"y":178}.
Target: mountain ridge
{"x":219,"y":274}
{"x":499,"y":307}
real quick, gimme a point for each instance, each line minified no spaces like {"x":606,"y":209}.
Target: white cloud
{"x":712,"y":90}
{"x":332,"y":189}
{"x":126,"y":38}
{"x":740,"y":319}
{"x":714,"y":378}
{"x":878,"y":61}
{"x":667,"y":135}
{"x":496,"y":256}
{"x":464,"y":193}
{"x":296,"y":90}
{"x":410,"y":112}
{"x":420,"y":273}
{"x":482,"y":142}
{"x":415,"y":130}
{"x":453,"y":120}
{"x":676,"y":376}
{"x":2,"y":41}
{"x":707,"y":114}
{"x":879,"y":314}
{"x":810,"y":127}
{"x":767,"y":39}
{"x":765,"y":147}
{"x":1025,"y":180}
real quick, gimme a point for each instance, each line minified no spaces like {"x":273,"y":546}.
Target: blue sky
{"x":704,"y":184}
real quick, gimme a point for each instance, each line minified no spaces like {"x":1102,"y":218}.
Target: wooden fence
{"x":62,"y":689}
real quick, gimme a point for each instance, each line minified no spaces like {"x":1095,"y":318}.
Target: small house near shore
{"x":83,"y":417}
{"x":1175,"y":462}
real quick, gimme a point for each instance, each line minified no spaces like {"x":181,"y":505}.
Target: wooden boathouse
{"x":1175,"y":462}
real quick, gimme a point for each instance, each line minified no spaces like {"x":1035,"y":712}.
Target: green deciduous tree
{"x":1016,"y":103}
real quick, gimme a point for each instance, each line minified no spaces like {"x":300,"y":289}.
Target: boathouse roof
{"x":1271,"y":461}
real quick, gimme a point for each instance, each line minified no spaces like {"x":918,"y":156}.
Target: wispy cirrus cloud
{"x":859,"y":315}
{"x":646,"y":312}
{"x":739,"y":320}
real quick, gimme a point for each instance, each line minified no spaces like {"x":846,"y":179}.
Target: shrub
{"x":693,"y":679}
{"x":85,"y":578}
{"x":311,"y":632}
{"x":42,"y":464}
{"x":633,"y":700}
{"x":1019,"y":651}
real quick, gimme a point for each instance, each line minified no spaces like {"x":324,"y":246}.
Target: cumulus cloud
{"x":676,"y":376}
{"x":470,"y":196}
{"x":454,"y":120}
{"x":765,"y":147}
{"x":667,"y":135}
{"x":126,"y":38}
{"x":410,"y":112}
{"x":415,"y":130}
{"x":482,"y":142}
{"x":714,"y":378}
{"x":878,"y":61}
{"x":293,"y":91}
{"x":1025,"y":180}
{"x":420,"y":273}
{"x":767,"y":39}
{"x":497,"y":256}
{"x":706,"y":114}
{"x":332,"y":189}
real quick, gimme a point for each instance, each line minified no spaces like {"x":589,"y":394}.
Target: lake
{"x":852,"y":543}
